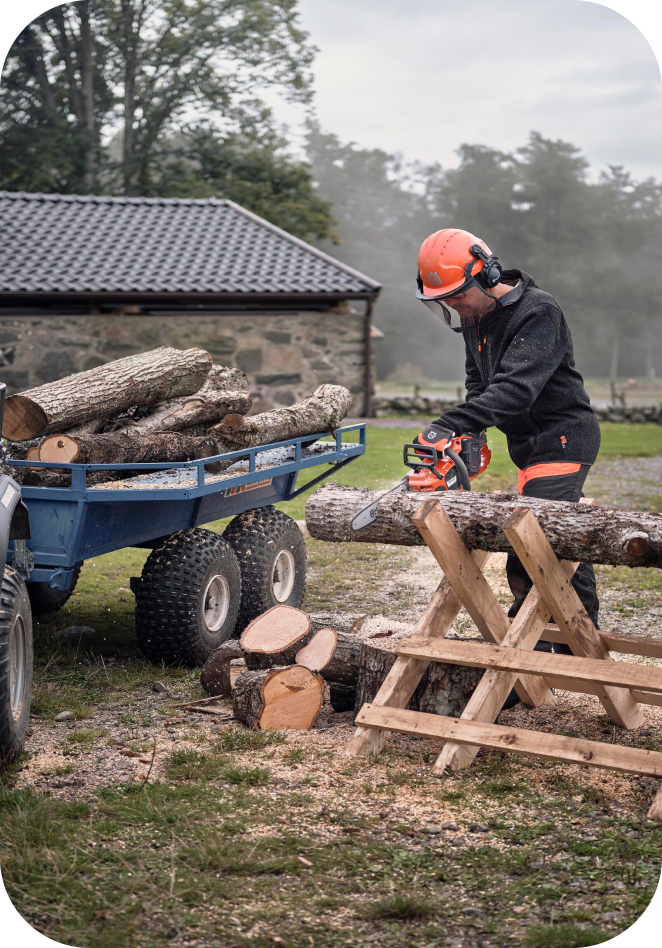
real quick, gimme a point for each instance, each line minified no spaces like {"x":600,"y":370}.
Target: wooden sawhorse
{"x":510,"y":661}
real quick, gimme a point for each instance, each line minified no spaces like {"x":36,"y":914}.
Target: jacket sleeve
{"x":527,"y":364}
{"x":473,"y":382}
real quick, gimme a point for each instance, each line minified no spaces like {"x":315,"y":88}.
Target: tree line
{"x":163,"y":98}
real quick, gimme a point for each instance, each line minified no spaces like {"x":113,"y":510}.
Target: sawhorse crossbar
{"x":510,"y":661}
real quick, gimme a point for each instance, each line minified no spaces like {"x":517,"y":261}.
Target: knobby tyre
{"x":16,"y":664}
{"x":188,"y":598}
{"x":272,"y":556}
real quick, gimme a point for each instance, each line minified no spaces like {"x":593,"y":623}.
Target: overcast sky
{"x":423,"y":78}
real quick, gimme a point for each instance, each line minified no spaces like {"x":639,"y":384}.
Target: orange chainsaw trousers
{"x":553,"y":481}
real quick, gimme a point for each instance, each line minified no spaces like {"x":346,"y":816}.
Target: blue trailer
{"x":197,"y":587}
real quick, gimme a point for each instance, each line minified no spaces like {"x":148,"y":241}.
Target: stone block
{"x":55,"y":364}
{"x":248,"y":360}
{"x":293,"y":379}
{"x":273,"y":335}
{"x":283,"y":396}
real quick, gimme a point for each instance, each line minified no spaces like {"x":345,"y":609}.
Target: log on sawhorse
{"x":509,"y":660}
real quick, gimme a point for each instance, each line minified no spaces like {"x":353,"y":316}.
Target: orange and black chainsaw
{"x":439,"y":460}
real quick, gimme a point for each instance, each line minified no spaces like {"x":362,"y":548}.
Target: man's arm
{"x":529,"y":361}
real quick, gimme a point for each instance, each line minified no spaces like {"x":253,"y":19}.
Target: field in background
{"x":246,"y":840}
{"x":640,"y":391}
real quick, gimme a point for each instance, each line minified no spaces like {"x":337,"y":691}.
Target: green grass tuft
{"x":244,"y":740}
{"x":563,"y":936}
{"x":247,"y":776}
{"x":399,"y":906}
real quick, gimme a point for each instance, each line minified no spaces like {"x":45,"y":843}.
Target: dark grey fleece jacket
{"x":521,"y":379}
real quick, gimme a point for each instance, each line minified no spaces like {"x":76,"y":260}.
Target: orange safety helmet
{"x":449,"y":262}
{"x":450,"y":259}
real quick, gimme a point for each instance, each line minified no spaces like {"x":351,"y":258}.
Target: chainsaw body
{"x":442,"y":461}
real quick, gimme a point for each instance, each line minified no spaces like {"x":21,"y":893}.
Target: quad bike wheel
{"x":188,"y":598}
{"x":16,"y":661}
{"x":272,"y":557}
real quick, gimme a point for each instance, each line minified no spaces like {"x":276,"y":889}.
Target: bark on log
{"x":322,"y":411}
{"x":590,"y":534}
{"x":279,"y":698}
{"x":120,"y":448}
{"x":343,"y":666}
{"x":225,"y":392}
{"x":146,"y":378}
{"x":215,"y":674}
{"x":444,"y":689}
{"x":275,"y":637}
{"x":376,"y":660}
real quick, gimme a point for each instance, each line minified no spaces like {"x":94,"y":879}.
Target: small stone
{"x":432,"y":830}
{"x":76,"y":632}
{"x":158,"y":686}
{"x":452,"y":827}
{"x":470,"y":910}
{"x":457,"y":841}
{"x":64,"y":716}
{"x":478,"y":828}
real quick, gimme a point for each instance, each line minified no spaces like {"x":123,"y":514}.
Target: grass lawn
{"x":244,"y":838}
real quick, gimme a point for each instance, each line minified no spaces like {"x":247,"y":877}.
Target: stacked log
{"x":351,"y":661}
{"x":159,"y":406}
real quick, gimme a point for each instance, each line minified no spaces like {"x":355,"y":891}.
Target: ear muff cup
{"x":490,"y":274}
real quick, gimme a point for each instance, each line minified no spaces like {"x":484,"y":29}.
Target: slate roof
{"x":56,"y":243}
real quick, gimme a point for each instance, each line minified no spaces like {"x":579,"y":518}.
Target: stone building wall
{"x":285,"y":356}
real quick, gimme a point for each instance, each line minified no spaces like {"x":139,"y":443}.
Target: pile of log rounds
{"x":286,"y":661}
{"x":158,"y":406}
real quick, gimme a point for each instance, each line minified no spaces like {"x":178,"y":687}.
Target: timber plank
{"x":516,"y":740}
{"x":556,"y":591}
{"x":623,"y":642}
{"x":494,"y":687}
{"x":520,"y":661}
{"x":475,"y":593}
{"x":403,"y":679}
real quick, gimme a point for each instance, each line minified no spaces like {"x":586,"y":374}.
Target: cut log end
{"x":279,"y":698}
{"x":59,"y":447}
{"x":637,"y":545}
{"x":22,"y":419}
{"x":317,"y":654}
{"x":275,"y":637}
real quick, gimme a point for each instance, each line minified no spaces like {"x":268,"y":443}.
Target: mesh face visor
{"x":442,"y":305}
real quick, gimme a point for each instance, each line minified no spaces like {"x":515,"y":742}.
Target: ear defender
{"x":491,"y":272}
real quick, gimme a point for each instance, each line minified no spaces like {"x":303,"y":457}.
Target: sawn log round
{"x":590,"y":534}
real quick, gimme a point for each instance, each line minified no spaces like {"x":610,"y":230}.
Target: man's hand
{"x":435,"y":435}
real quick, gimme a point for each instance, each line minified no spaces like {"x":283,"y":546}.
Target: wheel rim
{"x":17,"y":653}
{"x":217,"y":602}
{"x":283,"y":576}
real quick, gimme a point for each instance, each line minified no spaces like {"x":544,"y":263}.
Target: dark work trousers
{"x":555,"y":487}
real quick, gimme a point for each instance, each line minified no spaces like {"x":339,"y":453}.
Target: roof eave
{"x":219,"y":300}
